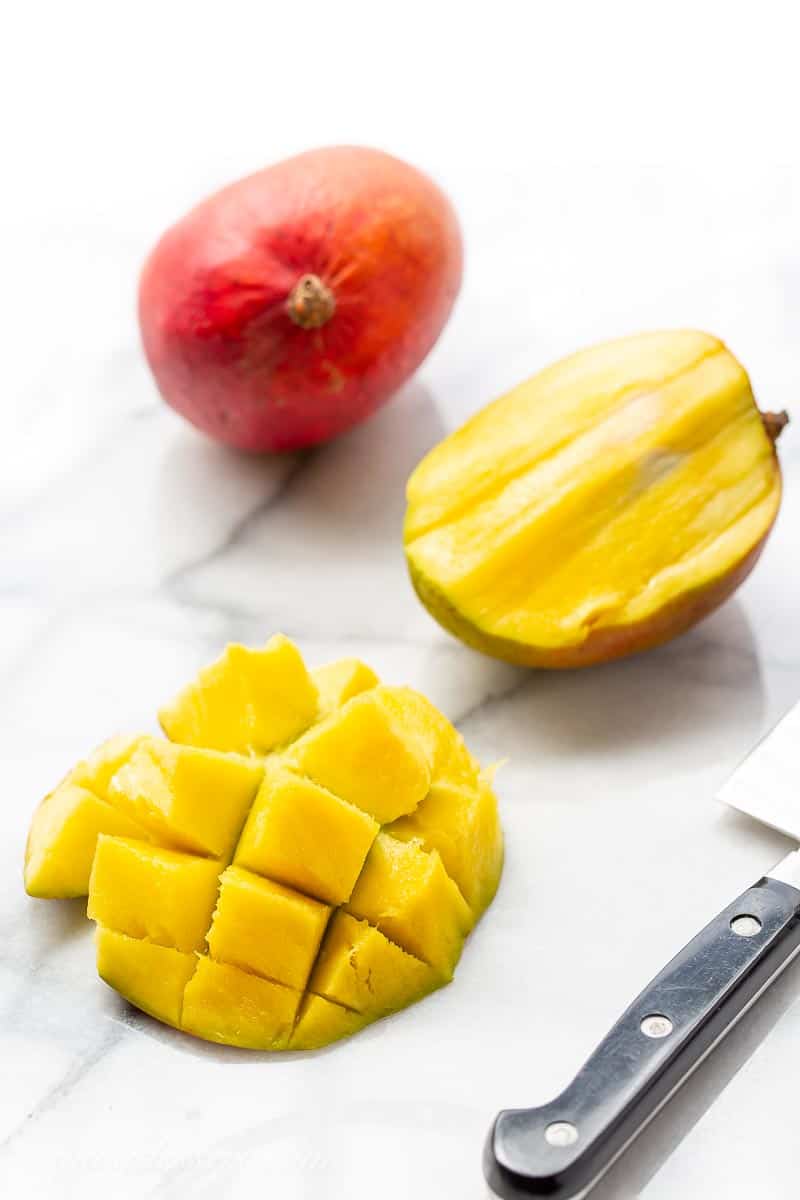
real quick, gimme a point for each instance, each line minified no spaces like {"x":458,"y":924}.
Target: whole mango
{"x":290,"y":305}
{"x":600,"y":508}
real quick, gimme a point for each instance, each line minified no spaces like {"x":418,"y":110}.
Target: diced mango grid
{"x":253,"y":889}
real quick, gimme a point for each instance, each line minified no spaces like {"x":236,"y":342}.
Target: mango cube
{"x":150,"y":976}
{"x":304,"y":856}
{"x":248,"y":701}
{"x":97,"y":771}
{"x":196,"y":800}
{"x":266,"y":928}
{"x":63,"y":839}
{"x":66,"y":824}
{"x":223,"y":1004}
{"x":148,"y":892}
{"x":361,"y":969}
{"x":320,"y":1022}
{"x":305,"y":836}
{"x":338,"y":682}
{"x":463,"y":825}
{"x":407,"y":893}
{"x":365,"y":755}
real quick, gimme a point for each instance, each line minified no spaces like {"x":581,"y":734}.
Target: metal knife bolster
{"x":562,"y":1148}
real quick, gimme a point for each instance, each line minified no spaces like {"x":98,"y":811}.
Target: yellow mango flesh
{"x":248,"y":701}
{"x":359,"y":968}
{"x":66,"y":825}
{"x":259,"y":901}
{"x":338,"y":682}
{"x":462,"y":824}
{"x":305,"y":836}
{"x":152,"y":977}
{"x":406,"y":892}
{"x":148,"y":892}
{"x":367,"y":756}
{"x":320,"y":1022}
{"x":193,"y":799}
{"x":614,"y":487}
{"x":266,"y":928}
{"x":223,"y":1004}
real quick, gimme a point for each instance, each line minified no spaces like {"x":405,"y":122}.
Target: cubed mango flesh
{"x":248,"y":701}
{"x":193,"y":799}
{"x":145,"y":891}
{"x":340,"y":681}
{"x":65,"y":827}
{"x":266,"y":928}
{"x":361,"y":969}
{"x":311,"y":862}
{"x":406,"y":892}
{"x":152,"y":977}
{"x":320,"y":1022}
{"x":224,"y":1004}
{"x":63,"y":840}
{"x":461,"y":822}
{"x":305,"y":836}
{"x":367,"y":756}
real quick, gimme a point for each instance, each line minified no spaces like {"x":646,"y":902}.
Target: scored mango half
{"x":304,"y":853}
{"x":600,"y":508}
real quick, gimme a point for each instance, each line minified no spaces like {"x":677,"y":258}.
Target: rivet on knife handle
{"x":562,"y":1148}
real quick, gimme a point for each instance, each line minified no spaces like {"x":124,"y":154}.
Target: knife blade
{"x":563,"y":1148}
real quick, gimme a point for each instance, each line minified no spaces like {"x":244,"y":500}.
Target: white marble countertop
{"x":132,"y":549}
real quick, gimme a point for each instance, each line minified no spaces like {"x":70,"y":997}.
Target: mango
{"x":152,"y":977}
{"x":293,"y":303}
{"x":193,"y":799}
{"x":339,"y":681}
{"x":315,"y":866}
{"x":305,"y":836}
{"x":148,"y":892}
{"x":600,"y":508}
{"x":66,"y":825}
{"x":248,"y":701}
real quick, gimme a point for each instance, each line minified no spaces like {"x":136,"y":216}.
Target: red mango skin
{"x":213,"y":296}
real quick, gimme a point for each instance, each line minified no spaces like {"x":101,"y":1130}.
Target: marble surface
{"x":132,"y":549}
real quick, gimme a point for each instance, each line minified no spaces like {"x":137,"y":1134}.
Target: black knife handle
{"x":564,"y":1147}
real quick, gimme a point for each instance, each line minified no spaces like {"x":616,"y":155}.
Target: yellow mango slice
{"x":223,"y":1004}
{"x":305,"y":836}
{"x":361,"y":969}
{"x":463,"y":825}
{"x":193,"y":799}
{"x":340,"y":681}
{"x":601,"y":507}
{"x":260,"y":901}
{"x":63,"y":838}
{"x":264,"y":927}
{"x":248,"y":701}
{"x":66,"y":824}
{"x":320,"y":1022}
{"x":407,"y":893}
{"x":364,"y":754}
{"x":444,"y":747}
{"x":150,"y":976}
{"x":148,"y":892}
{"x":96,"y":772}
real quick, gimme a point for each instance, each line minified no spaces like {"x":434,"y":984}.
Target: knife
{"x":563,"y":1148}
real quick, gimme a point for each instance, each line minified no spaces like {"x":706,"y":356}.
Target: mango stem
{"x":310,"y":303}
{"x":775,"y":423}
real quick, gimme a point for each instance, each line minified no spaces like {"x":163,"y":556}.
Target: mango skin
{"x":604,"y":642}
{"x":381,"y":237}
